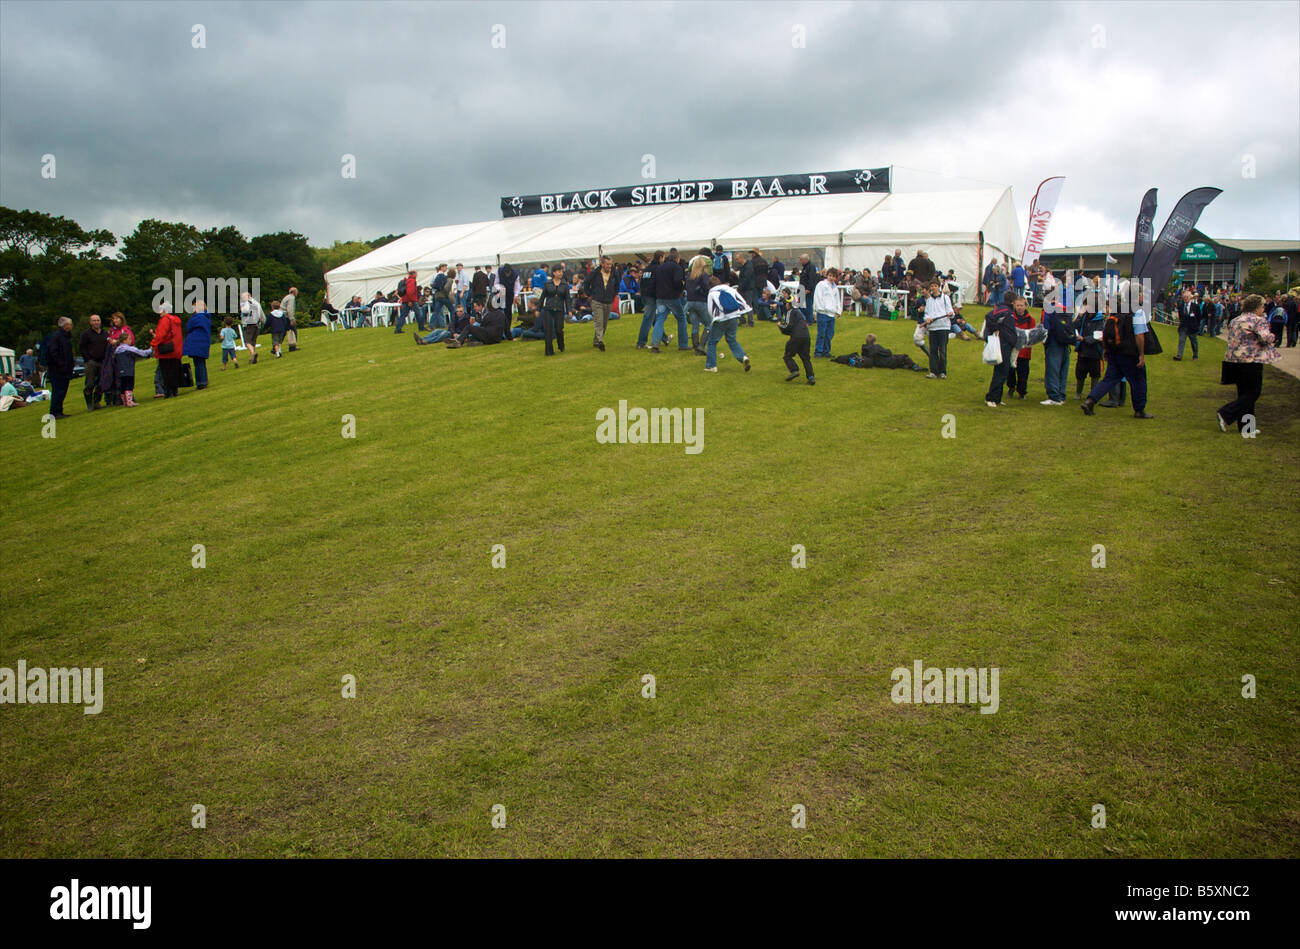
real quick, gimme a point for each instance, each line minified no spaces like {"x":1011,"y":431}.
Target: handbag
{"x":1151,"y":345}
{"x":993,"y":350}
{"x":164,"y":348}
{"x":919,"y":336}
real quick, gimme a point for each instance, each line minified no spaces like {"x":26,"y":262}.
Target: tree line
{"x":51,"y":266}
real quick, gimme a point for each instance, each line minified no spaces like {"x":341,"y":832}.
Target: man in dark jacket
{"x":478,"y":286}
{"x":753,"y":281}
{"x":601,"y":286}
{"x":506,"y":277}
{"x":670,"y":284}
{"x":1001,"y":322}
{"x":808,"y":278}
{"x":487,"y":326}
{"x":900,"y":271}
{"x":59,"y":361}
{"x":1124,"y":339}
{"x":918,"y":267}
{"x":1189,"y":322}
{"x":92,"y":346}
{"x":649,"y":304}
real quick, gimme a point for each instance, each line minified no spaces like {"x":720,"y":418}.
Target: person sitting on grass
{"x":530,"y":324}
{"x":485,"y":328}
{"x":9,"y":397}
{"x":875,"y":356}
{"x":452,"y":333}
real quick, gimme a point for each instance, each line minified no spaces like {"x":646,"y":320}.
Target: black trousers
{"x":553,"y":327}
{"x":1000,"y":372}
{"x":171,"y":376}
{"x":1020,"y":381}
{"x":481,"y":334}
{"x":1250,"y":382}
{"x":1087,"y":367}
{"x":798,"y":347}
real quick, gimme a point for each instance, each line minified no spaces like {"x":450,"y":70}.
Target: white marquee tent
{"x":847,"y":230}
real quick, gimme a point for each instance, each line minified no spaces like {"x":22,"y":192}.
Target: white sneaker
{"x":710,"y":368}
{"x":930,"y":375}
{"x":1048,"y":402}
{"x":1223,"y":426}
{"x":992,"y":405}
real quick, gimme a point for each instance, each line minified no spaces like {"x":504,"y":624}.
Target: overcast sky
{"x":251,"y":129}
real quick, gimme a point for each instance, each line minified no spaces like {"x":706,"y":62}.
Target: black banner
{"x":1145,"y":231}
{"x":1159,"y":265}
{"x":866,"y":180}
{"x":67,"y":901}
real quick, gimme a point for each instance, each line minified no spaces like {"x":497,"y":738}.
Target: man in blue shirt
{"x":1125,"y":343}
{"x":1018,"y":280}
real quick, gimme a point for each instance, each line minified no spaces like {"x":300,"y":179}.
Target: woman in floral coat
{"x":1250,"y":346}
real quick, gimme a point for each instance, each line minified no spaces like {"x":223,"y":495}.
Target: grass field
{"x":522,"y":686}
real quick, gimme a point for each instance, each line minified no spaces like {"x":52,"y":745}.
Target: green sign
{"x":1199,"y":251}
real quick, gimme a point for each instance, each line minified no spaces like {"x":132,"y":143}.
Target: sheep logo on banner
{"x":863,"y":179}
{"x":516,"y":205}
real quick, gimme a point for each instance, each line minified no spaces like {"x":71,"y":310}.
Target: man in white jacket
{"x":827,"y":304}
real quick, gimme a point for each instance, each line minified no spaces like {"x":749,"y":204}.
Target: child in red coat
{"x":1018,"y":377}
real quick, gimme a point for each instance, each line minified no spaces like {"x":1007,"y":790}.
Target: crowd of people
{"x":709,"y":297}
{"x":109,"y":355}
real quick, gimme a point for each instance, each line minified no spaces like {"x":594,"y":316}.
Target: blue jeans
{"x":410,"y":308}
{"x":1056,"y":371}
{"x":697,"y":312}
{"x":1118,"y":368}
{"x":200,"y":371}
{"x":439,"y":313}
{"x":719,"y":329}
{"x":438,"y":335}
{"x":675,"y":305}
{"x":647,"y":320}
{"x":825,"y":333}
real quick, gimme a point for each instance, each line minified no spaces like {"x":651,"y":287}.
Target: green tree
{"x":339,"y":253}
{"x":156,"y":248}
{"x":275,"y":279}
{"x":1259,"y":278}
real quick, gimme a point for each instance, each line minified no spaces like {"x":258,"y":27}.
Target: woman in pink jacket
{"x":1250,"y":347}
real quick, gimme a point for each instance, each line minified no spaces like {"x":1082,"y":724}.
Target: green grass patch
{"x":522,"y":686}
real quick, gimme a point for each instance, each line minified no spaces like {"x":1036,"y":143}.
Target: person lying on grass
{"x":875,"y":356}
